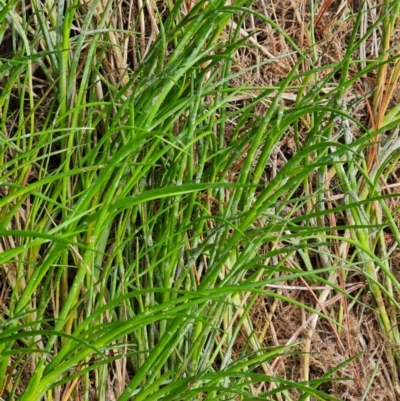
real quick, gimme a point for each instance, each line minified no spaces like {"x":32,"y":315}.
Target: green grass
{"x":146,"y":211}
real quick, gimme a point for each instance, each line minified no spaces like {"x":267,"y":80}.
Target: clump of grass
{"x":157,"y":197}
